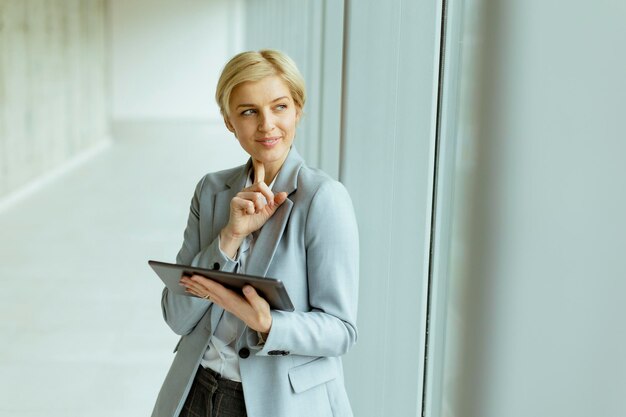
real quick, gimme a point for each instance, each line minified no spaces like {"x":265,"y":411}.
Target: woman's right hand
{"x":250,"y":209}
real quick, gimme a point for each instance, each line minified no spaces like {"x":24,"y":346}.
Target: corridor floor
{"x":82,"y":331}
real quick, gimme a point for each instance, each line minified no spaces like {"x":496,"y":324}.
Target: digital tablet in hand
{"x":271,"y":289}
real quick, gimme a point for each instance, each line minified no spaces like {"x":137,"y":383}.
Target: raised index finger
{"x":259,"y":171}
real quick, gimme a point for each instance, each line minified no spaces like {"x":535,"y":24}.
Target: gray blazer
{"x":311,"y":244}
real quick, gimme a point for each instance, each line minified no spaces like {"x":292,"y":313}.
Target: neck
{"x":270,"y":173}
{"x":271,"y":170}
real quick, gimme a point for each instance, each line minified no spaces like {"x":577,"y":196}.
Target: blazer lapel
{"x":221,"y":211}
{"x":271,"y":232}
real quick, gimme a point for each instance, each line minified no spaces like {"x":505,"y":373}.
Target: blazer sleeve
{"x":181,"y":312}
{"x":332,"y":258}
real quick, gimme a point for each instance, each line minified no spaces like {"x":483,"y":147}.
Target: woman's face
{"x":263,"y":117}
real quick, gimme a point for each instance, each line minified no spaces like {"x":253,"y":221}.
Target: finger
{"x":196,"y":284}
{"x":204,"y":295}
{"x":187,"y":282}
{"x":231,"y":301}
{"x":219,"y":292}
{"x":257,"y":302}
{"x":280,"y":198}
{"x":262,"y":317}
{"x":201,"y":280}
{"x":251,"y":308}
{"x":258,"y":199}
{"x":262,"y":188}
{"x":242,"y":204}
{"x":259,"y":171}
{"x":202,"y":286}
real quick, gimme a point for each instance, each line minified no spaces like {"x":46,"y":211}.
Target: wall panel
{"x":387,"y":165}
{"x":52,"y":85}
{"x":535,"y":261}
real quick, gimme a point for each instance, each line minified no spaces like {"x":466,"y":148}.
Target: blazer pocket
{"x":311,"y":374}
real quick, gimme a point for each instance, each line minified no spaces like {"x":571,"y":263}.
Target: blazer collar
{"x":270,"y":234}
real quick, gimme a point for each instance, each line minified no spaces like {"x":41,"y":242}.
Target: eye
{"x":281,"y":107}
{"x":248,"y":112}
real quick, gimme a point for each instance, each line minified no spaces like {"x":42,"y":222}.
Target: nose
{"x":266,"y":122}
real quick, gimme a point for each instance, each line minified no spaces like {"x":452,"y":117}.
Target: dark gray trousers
{"x":213,"y":396}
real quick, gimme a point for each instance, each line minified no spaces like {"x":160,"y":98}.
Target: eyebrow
{"x":252,"y":105}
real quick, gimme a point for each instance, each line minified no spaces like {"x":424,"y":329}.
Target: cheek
{"x":293,"y":126}
{"x":241,"y":130}
{"x":289,"y":124}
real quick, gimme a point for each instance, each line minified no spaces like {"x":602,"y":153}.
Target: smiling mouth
{"x":269,"y":141}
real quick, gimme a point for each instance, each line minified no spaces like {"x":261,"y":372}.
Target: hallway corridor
{"x":81,"y":325}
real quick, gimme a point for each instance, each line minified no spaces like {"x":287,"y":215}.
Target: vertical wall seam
{"x":440,"y":90}
{"x":322,"y":90}
{"x":108,"y":66}
{"x":344,"y":88}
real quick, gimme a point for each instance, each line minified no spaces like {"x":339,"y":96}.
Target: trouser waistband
{"x":222,"y":382}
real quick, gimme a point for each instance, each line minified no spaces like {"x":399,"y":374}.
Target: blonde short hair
{"x":254,"y":66}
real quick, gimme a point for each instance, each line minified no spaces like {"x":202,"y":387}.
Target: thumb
{"x":279,"y":199}
{"x":256,"y":301}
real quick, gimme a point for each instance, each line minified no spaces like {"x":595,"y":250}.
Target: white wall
{"x":53,"y":94}
{"x":166,"y":57}
{"x":536,"y":288}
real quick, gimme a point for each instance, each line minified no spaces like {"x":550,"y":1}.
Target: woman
{"x":272,"y":217}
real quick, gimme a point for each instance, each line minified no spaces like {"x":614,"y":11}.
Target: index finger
{"x":206,"y":283}
{"x":259,"y":171}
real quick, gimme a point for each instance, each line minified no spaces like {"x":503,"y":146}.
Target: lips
{"x":271,"y":139}
{"x":268,"y":141}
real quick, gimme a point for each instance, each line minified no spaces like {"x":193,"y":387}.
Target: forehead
{"x":259,"y":92}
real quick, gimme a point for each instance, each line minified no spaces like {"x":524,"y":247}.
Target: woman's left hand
{"x":251,"y":308}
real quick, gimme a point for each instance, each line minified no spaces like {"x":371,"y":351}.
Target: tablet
{"x":271,"y":289}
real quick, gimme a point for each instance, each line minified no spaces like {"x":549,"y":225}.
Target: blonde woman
{"x":275,"y":217}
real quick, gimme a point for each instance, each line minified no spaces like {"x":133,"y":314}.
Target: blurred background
{"x":482,"y":143}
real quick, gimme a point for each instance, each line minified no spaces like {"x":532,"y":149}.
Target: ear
{"x":229,"y":126}
{"x":298,"y":114}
